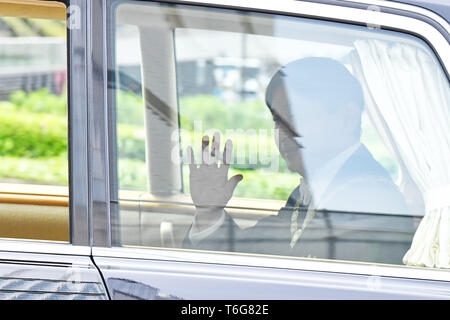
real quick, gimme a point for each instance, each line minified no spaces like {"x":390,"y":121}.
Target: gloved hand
{"x":209,"y":184}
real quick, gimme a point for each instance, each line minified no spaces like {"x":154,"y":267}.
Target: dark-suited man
{"x":343,"y":206}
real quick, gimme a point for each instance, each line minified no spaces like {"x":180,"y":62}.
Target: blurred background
{"x":33,"y":101}
{"x":221,"y":84}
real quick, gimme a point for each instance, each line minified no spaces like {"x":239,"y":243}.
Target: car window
{"x":33,"y":122}
{"x":266,"y":134}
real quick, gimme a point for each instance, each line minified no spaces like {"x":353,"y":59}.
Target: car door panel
{"x":33,"y":276}
{"x":183,"y":274}
{"x":157,"y":280}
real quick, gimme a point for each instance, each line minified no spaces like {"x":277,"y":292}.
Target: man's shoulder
{"x":363,"y":184}
{"x":362,"y":162}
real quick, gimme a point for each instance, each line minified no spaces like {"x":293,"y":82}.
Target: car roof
{"x":440,"y":7}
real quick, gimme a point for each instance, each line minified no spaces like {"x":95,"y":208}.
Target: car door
{"x":172,"y":74}
{"x":44,"y":245}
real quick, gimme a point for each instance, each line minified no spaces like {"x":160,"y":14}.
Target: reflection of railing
{"x":44,"y":195}
{"x":182,"y":204}
{"x":144,"y":218}
{"x":237,"y":207}
{"x":340,"y":235}
{"x":31,"y":80}
{"x":41,"y":212}
{"x":32,"y":63}
{"x":358,"y":236}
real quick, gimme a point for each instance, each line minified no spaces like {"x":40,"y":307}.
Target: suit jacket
{"x":357,"y":224}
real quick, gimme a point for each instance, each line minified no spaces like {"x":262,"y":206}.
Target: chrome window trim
{"x":78,"y":117}
{"x":317,"y":11}
{"x":99,"y":196}
{"x":43,"y":247}
{"x":279,"y":262}
{"x":346,"y":14}
{"x":405,"y":7}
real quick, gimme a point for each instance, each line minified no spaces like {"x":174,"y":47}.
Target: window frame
{"x":401,"y":18}
{"x":77,"y":59}
{"x":78,"y":239}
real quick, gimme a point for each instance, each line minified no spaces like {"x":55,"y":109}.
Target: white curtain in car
{"x":408,"y":100}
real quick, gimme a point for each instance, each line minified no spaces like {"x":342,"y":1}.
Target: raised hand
{"x":209,"y":184}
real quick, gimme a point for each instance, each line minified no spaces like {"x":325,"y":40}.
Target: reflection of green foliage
{"x":256,"y":183}
{"x":41,"y":170}
{"x":213,"y":113}
{"x":246,"y":149}
{"x":130,"y":109}
{"x":210,"y":110}
{"x":131,"y":142}
{"x":33,"y":141}
{"x":263,"y":184}
{"x":28,"y":135}
{"x":132,"y":174}
{"x":33,"y":133}
{"x":40,"y":101}
{"x":33,"y":137}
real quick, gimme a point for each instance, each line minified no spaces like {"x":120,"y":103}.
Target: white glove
{"x":209,"y":184}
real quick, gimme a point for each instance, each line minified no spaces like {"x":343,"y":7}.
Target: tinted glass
{"x":258,"y":133}
{"x":33,"y":128}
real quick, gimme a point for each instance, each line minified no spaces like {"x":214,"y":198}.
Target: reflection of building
{"x":199,"y":77}
{"x":218,"y":75}
{"x":31,"y":80}
{"x":33,"y":63}
{"x":204,"y":76}
{"x":203,"y":65}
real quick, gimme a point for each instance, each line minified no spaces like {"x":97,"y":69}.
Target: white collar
{"x":197,"y":236}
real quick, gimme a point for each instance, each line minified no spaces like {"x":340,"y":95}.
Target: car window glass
{"x":34,"y":124}
{"x":259,"y":133}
